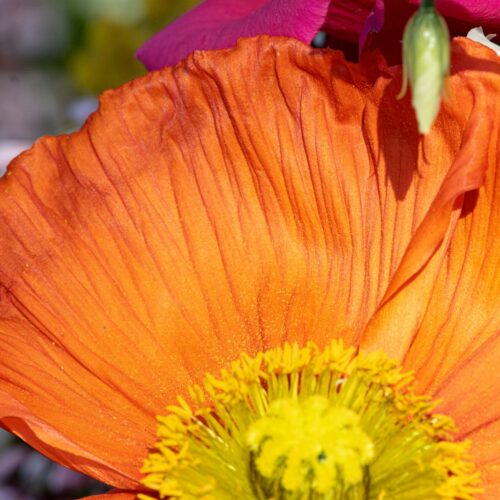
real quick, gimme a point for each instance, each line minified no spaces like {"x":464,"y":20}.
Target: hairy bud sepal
{"x":426,"y":63}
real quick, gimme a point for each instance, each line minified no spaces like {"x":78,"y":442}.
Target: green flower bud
{"x":426,"y":62}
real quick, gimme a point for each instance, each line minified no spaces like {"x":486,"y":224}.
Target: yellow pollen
{"x":308,"y":446}
{"x":300,"y":423}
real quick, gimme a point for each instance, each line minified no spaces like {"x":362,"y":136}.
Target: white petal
{"x":477,"y":34}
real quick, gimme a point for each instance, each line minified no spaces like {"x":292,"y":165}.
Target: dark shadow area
{"x":399,"y":138}
{"x":470,"y":202}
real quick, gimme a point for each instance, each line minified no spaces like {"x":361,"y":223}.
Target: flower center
{"x":297,"y":423}
{"x":308,"y":446}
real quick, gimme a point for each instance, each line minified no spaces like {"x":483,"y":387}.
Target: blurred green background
{"x":56,"y":56}
{"x":108,"y":32}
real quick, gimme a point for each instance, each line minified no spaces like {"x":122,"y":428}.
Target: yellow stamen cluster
{"x":298,"y":423}
{"x":308,"y":446}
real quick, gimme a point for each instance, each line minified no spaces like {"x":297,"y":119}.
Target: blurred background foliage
{"x":27,"y":475}
{"x":110,"y":34}
{"x":56,"y":56}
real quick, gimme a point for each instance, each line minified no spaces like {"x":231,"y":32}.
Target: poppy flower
{"x":215,"y":24}
{"x":248,"y":199}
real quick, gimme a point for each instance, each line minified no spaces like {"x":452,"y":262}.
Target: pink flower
{"x":216,"y":24}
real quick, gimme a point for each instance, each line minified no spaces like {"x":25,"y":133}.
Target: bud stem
{"x":426,"y":3}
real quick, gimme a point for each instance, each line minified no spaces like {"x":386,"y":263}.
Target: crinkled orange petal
{"x":470,"y":396}
{"x":245,"y":197}
{"x":452,"y":307}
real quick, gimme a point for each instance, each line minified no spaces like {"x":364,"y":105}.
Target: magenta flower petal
{"x":347,"y":18}
{"x":217,"y":24}
{"x":373,"y":24}
{"x":474,"y":12}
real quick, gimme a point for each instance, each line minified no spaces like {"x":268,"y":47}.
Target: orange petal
{"x":432,"y":319}
{"x":485,"y":446}
{"x":240,"y":199}
{"x":470,"y":396}
{"x":114,"y":495}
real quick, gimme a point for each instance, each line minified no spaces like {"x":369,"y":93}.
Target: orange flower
{"x":239,"y":200}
